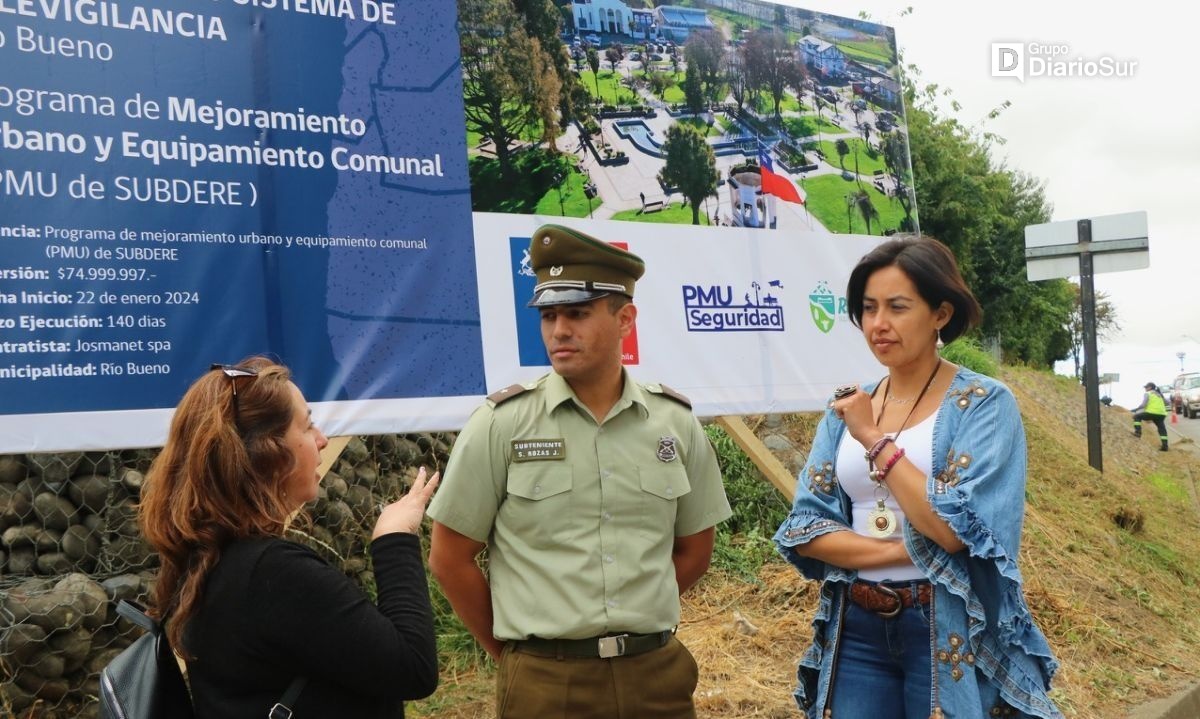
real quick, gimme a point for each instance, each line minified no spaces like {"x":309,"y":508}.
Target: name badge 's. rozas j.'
{"x":532,"y":450}
{"x":716,"y":308}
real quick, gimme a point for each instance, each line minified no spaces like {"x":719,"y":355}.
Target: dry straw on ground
{"x":1117,"y":604}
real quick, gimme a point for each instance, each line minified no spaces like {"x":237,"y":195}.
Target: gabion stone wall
{"x":70,"y":551}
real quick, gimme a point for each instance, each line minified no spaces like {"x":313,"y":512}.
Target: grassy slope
{"x":1117,"y":606}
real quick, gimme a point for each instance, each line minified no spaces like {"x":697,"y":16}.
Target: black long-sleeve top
{"x":273,"y":610}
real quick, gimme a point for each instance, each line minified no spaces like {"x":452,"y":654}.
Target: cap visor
{"x":550,"y":297}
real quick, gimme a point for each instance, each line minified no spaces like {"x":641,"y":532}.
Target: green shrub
{"x":966,"y":351}
{"x":457,"y":649}
{"x":743,"y":542}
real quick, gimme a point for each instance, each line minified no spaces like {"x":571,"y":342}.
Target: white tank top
{"x":917,"y":442}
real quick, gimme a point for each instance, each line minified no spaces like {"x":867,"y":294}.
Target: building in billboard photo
{"x":825,"y":59}
{"x":667,"y":121}
{"x":606,"y":16}
{"x":678,"y":22}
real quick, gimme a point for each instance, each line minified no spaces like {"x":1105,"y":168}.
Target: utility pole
{"x":1081,"y":248}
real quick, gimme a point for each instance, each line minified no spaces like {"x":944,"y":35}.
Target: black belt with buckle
{"x":617,"y":645}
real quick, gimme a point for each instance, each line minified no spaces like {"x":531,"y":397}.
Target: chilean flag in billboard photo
{"x":777,"y":185}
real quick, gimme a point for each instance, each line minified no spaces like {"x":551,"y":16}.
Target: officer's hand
{"x":406,"y":513}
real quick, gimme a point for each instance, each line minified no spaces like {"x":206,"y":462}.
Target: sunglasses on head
{"x":233,"y":372}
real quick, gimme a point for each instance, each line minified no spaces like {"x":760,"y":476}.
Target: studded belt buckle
{"x":891,"y":594}
{"x":612,"y":646}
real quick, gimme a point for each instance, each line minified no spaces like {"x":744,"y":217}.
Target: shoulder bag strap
{"x":283,"y":707}
{"x":134,"y":613}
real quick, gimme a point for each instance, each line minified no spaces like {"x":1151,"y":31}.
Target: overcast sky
{"x":1101,"y":145}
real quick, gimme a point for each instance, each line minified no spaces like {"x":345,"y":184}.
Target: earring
{"x":940,"y":343}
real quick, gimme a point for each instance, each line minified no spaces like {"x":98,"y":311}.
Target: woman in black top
{"x":251,"y":611}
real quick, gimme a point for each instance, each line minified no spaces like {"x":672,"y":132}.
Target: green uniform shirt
{"x":580,"y":518}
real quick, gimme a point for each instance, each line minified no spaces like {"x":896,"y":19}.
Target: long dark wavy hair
{"x":219,"y":478}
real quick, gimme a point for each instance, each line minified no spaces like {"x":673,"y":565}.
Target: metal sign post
{"x":1091,"y":371}
{"x":1082,"y":248}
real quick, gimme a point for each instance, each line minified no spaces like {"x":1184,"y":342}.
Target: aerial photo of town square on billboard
{"x":712,"y":112}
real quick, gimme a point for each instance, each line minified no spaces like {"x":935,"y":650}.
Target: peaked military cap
{"x":573,"y":267}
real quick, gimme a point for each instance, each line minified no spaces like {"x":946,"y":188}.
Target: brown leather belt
{"x":619,"y":645}
{"x":888,"y":601}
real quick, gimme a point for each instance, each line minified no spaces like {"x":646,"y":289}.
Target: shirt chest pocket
{"x":662,"y":486}
{"x":538,"y":506}
{"x":537,"y":481}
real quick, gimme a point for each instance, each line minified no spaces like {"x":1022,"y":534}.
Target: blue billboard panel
{"x":187,"y":185}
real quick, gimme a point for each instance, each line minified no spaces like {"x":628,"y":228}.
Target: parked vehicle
{"x":592,"y":38}
{"x":1185,"y":395}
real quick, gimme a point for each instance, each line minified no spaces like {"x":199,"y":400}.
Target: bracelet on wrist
{"x":876,"y":448}
{"x":879,"y":475}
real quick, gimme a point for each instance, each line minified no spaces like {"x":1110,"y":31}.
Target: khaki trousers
{"x":654,"y":685}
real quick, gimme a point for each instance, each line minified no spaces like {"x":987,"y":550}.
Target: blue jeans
{"x":883,"y":665}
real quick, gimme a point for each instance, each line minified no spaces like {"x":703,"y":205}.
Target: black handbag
{"x":144,"y":681}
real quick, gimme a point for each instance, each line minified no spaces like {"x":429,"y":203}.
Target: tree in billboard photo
{"x":571,"y":111}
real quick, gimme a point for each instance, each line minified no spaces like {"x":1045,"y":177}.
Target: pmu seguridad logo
{"x":824,"y":307}
{"x":720,"y":308}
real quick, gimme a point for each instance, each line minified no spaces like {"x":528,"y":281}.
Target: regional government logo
{"x":823,"y":307}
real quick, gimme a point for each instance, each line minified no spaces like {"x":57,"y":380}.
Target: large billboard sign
{"x":332,"y":183}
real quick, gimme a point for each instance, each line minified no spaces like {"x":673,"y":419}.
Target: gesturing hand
{"x":406,"y":513}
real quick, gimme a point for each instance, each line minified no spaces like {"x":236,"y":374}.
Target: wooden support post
{"x":330,"y":454}
{"x":772,"y":468}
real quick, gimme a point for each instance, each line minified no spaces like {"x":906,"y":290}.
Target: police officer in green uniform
{"x":1153,"y":408}
{"x":596,"y":498}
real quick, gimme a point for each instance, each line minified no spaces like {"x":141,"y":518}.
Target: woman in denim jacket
{"x":909,"y":511}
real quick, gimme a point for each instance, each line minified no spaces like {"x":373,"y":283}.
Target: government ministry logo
{"x":824,"y":307}
{"x":721,"y":308}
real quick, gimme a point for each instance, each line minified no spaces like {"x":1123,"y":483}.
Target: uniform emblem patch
{"x":667,"y":451}
{"x":556,"y":270}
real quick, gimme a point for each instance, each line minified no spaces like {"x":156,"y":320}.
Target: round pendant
{"x":881,"y":522}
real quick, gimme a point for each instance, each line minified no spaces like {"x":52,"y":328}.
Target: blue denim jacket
{"x":989,"y":659}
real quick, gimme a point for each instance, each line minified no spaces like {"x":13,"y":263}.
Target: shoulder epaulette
{"x":666,"y":391}
{"x":503,"y":395}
